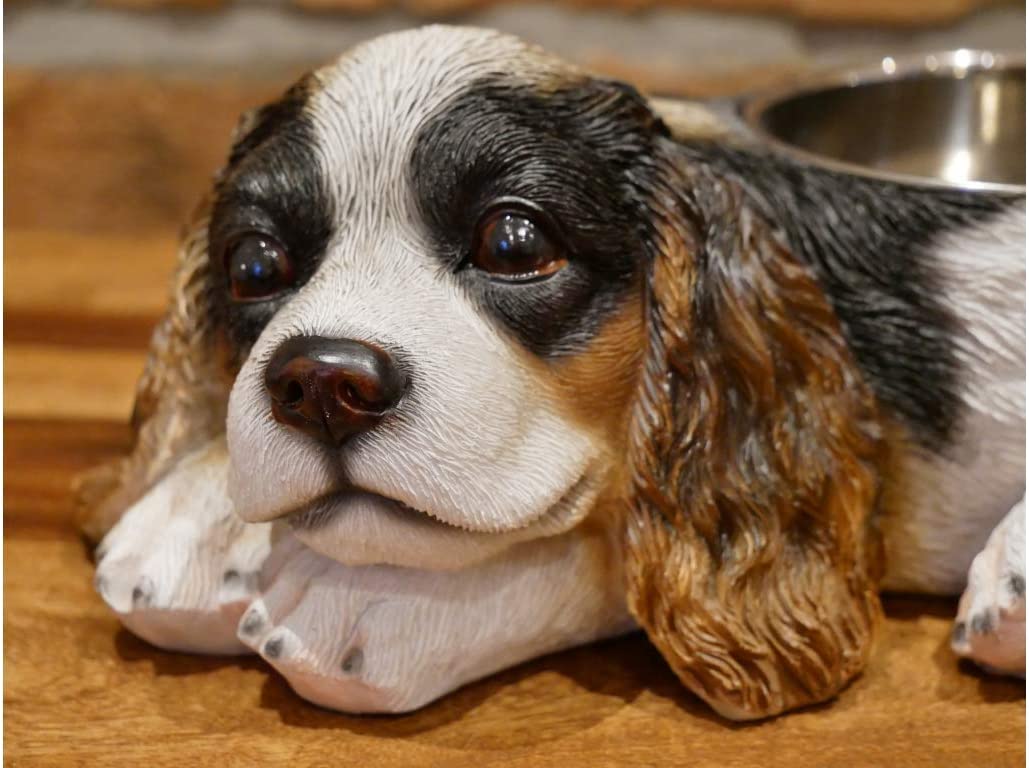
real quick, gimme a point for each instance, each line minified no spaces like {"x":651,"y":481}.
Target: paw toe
{"x":253,"y":621}
{"x":982,"y":623}
{"x":237,"y":588}
{"x":143,"y":593}
{"x":1016,"y":585}
{"x":353,"y":662}
{"x":272,"y":647}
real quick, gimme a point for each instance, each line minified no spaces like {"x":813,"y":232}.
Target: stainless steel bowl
{"x":952,"y":119}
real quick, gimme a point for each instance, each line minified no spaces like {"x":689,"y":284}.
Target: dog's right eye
{"x":258,"y":267}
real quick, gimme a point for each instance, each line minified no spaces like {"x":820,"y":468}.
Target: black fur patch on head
{"x":583,"y":153}
{"x":870,"y":244}
{"x":273,"y":184}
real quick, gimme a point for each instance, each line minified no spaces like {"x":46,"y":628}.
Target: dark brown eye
{"x":258,"y":267}
{"x":509,"y":245}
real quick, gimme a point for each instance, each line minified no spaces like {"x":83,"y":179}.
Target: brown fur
{"x":752,"y":554}
{"x":595,"y":387}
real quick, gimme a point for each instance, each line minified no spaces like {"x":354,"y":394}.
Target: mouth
{"x":321,"y":511}
{"x":357,"y":528}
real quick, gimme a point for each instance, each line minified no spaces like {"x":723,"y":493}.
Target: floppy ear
{"x":180,"y":397}
{"x":752,"y":553}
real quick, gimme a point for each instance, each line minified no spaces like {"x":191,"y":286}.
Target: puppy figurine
{"x":517,"y":359}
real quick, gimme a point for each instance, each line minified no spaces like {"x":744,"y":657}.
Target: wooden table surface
{"x":100,"y":170}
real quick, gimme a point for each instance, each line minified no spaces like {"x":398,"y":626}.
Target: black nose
{"x":332,"y":389}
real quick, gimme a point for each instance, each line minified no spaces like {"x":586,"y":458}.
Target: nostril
{"x":348,"y":393}
{"x":294,"y":394}
{"x":362,"y":395}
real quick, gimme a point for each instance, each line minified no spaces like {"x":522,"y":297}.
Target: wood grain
{"x":78,"y":312}
{"x":86,"y":270}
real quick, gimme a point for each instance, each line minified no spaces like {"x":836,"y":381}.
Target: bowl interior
{"x":957,"y":126}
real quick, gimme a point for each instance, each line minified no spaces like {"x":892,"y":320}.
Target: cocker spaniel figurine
{"x":472,"y":357}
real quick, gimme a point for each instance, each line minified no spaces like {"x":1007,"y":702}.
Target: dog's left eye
{"x":258,"y":267}
{"x":510,"y":245}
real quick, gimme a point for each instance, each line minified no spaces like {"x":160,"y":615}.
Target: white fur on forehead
{"x":372,"y":101}
{"x":418,"y":69}
{"x":477,"y":443}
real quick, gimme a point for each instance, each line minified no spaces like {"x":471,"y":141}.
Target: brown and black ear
{"x":751,"y":546}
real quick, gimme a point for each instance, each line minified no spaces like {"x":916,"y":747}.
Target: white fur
{"x":387,"y":639}
{"x":939,"y":510}
{"x":180,"y":567}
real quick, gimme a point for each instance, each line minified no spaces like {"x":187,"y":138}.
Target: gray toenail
{"x":272,"y":648}
{"x":142,"y":592}
{"x":252,"y":622}
{"x":982,"y":623}
{"x":353,"y":662}
{"x":1016,"y":583}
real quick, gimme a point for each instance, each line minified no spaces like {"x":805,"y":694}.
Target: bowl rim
{"x":956,"y":63}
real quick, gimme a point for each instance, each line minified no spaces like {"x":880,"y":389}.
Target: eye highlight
{"x":510,"y":245}
{"x":258,"y":267}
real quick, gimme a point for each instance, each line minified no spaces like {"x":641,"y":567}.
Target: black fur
{"x":582,"y":153}
{"x":272,"y":184}
{"x":869,"y":243}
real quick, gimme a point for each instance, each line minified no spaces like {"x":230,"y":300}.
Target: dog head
{"x":427,"y":261}
{"x":461,"y":295}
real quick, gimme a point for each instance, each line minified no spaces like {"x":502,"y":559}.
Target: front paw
{"x":350,"y":639}
{"x":990,"y":625}
{"x":389,"y":639}
{"x":180,"y":568}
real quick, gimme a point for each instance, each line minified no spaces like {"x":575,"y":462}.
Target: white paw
{"x":351,"y":639}
{"x":180,"y":568}
{"x":990,"y":625}
{"x":389,"y":639}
